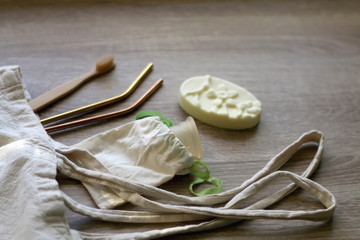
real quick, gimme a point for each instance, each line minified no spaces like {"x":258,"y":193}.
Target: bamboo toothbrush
{"x":102,"y":66}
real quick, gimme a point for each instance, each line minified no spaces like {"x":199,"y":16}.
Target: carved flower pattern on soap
{"x":222,"y":97}
{"x":224,"y":101}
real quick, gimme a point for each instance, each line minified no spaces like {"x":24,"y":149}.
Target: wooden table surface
{"x":300,"y":58}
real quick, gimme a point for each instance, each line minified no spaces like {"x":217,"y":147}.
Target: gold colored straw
{"x":107,"y":116}
{"x":105,"y":102}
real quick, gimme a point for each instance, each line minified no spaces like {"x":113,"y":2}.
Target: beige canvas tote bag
{"x":33,"y":207}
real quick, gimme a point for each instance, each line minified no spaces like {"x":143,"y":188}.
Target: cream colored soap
{"x":219,"y":103}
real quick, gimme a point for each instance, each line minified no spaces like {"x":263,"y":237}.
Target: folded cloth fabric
{"x":145,"y":151}
{"x":33,"y":207}
{"x":31,"y":204}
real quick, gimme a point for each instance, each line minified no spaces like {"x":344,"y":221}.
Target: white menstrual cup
{"x":188,"y":134}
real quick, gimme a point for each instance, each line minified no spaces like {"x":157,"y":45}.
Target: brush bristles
{"x":105,"y":64}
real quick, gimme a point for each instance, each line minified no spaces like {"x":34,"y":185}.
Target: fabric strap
{"x":180,"y":208}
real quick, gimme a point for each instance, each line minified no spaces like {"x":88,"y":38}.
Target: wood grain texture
{"x":300,"y":58}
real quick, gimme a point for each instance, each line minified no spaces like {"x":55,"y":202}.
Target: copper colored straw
{"x":106,"y":116}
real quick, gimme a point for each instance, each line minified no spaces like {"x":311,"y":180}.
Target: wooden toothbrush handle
{"x":60,"y":91}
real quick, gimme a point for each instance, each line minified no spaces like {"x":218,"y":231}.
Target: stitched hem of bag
{"x":16,"y":81}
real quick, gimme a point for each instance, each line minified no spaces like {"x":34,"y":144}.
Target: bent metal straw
{"x":107,"y":116}
{"x":103,"y":103}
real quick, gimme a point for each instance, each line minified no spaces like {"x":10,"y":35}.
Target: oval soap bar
{"x":219,"y":103}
